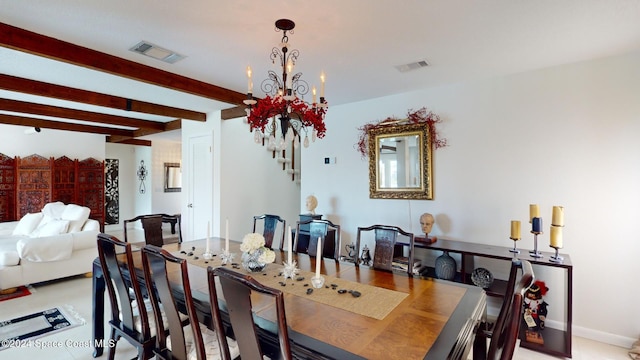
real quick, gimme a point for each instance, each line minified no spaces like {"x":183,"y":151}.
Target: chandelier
{"x":284,"y":107}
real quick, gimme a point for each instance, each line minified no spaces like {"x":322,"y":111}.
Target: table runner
{"x":374,"y":302}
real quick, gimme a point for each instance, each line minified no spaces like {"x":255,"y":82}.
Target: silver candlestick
{"x":556,"y":258}
{"x":535,"y":253}
{"x":514,"y":250}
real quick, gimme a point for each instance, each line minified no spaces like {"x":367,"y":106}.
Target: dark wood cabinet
{"x":7,"y":188}
{"x":29,"y":183}
{"x":556,"y":342}
{"x":34,"y":184}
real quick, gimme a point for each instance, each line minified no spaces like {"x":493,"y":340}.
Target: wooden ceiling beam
{"x":33,"y":87}
{"x":127,"y":140}
{"x":234,"y":112}
{"x":58,"y":125}
{"x":41,"y":45}
{"x":60,"y":112}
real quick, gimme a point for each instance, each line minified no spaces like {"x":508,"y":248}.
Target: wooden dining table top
{"x":435,"y":320}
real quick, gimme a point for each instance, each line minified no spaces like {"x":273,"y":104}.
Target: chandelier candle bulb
{"x":557,"y":216}
{"x":556,"y":237}
{"x":249,"y":82}
{"x":515,"y":229}
{"x":313,"y":92}
{"x":534,"y":211}
{"x":322,"y":78}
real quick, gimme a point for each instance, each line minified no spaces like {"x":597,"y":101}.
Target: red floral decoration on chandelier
{"x":265,"y":109}
{"x":413,"y":117}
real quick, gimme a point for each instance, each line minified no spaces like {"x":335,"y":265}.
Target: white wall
{"x":253,"y":182}
{"x":50,"y":143}
{"x":560,"y":136}
{"x":164,"y":152}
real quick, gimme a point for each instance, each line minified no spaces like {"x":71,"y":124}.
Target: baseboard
{"x":595,"y":335}
{"x":604,"y":337}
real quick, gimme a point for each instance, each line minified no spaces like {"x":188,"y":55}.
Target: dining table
{"x":359,"y":312}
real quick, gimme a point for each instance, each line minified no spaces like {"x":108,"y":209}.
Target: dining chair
{"x":270,"y":227}
{"x":152,"y":226}
{"x":176,"y":227}
{"x":503,"y":335}
{"x":236,"y":291}
{"x":169,"y":277}
{"x":129,"y":317}
{"x":386,"y":238}
{"x":319,"y":228}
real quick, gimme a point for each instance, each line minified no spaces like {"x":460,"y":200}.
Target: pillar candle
{"x":290,"y":247}
{"x":536,"y":225}
{"x":557,"y":216}
{"x":208,"y":226}
{"x":226,"y":237}
{"x":534,"y":211}
{"x":318,"y":257}
{"x":556,"y":237}
{"x":515,"y":229}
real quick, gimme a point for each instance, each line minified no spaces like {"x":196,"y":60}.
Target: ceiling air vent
{"x":156,"y":52}
{"x":412,"y":66}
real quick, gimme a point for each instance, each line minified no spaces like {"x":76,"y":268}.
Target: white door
{"x":200,"y":206}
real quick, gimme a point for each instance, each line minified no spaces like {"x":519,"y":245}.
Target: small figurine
{"x":366,"y":256}
{"x":426,"y":223}
{"x":535,"y":308}
{"x":311,"y":203}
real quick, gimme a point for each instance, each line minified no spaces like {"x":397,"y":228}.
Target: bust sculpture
{"x":426,"y":223}
{"x":311,"y":204}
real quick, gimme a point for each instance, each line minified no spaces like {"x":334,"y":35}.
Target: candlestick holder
{"x":317,"y":282}
{"x":290,"y":270}
{"x":226,"y":257}
{"x":535,"y":253}
{"x":514,"y":250}
{"x":556,"y":258}
{"x":207,"y":255}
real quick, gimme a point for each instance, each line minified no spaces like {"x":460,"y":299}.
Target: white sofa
{"x":57,"y":242}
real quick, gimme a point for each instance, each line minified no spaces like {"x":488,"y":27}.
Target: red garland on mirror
{"x":413,"y":117}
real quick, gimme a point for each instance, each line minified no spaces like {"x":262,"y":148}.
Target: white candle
{"x":322,"y":85}
{"x":290,"y":247}
{"x":557,"y":216}
{"x":226,"y":236}
{"x":249,"y":82}
{"x":313,"y":91}
{"x":208,"y":225}
{"x":318,"y":257}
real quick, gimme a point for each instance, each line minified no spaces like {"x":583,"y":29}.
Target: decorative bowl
{"x":482,"y":277}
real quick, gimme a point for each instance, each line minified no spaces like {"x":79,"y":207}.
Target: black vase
{"x":445,"y":267}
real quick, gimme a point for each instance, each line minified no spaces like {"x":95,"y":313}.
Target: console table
{"x":556,"y":342}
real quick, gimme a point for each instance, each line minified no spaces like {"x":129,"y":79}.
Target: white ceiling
{"x":357,"y":43}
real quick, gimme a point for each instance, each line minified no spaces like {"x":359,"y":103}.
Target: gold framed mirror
{"x":172,"y":177}
{"x":400,"y":158}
